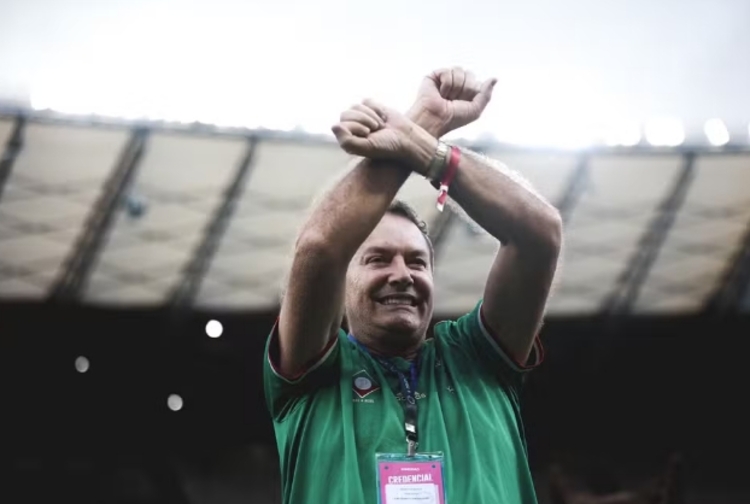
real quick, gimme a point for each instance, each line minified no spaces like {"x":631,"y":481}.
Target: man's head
{"x":389,"y":283}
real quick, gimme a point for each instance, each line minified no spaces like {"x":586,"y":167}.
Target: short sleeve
{"x":282,"y":392}
{"x":471,"y":338}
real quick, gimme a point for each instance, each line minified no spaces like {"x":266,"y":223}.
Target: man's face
{"x":389,"y":282}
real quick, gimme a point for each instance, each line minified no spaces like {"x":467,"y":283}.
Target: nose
{"x":400,"y":274}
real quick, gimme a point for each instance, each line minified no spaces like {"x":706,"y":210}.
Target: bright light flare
{"x":664,"y":132}
{"x":623,"y":134}
{"x":716,"y":132}
{"x":174,"y":402}
{"x":214,"y":329}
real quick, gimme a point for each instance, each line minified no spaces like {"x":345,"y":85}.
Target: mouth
{"x":398,"y":300}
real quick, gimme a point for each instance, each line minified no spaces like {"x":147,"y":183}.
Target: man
{"x":338,"y":400}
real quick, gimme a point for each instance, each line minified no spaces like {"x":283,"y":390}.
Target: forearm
{"x":504,"y":204}
{"x":350,"y":210}
{"x":311,"y":311}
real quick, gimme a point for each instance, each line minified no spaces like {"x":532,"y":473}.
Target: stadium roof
{"x":112,"y":213}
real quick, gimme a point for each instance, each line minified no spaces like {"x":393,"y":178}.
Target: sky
{"x":567,"y":70}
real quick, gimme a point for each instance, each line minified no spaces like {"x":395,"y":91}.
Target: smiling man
{"x":392,"y":309}
{"x":384,"y":414}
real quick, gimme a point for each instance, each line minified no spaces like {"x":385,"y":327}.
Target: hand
{"x":373,"y":131}
{"x":449,"y":99}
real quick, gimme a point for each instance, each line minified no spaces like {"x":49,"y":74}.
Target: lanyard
{"x":408,"y":389}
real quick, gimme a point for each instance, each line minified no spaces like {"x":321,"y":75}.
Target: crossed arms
{"x":391,"y":146}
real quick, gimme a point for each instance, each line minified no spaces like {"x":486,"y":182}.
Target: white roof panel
{"x":180,"y":182}
{"x":256,"y":249}
{"x":704,"y":238}
{"x":54,"y":183}
{"x":606,"y":225}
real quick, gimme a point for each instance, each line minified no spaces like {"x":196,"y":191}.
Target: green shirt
{"x":332,"y":420}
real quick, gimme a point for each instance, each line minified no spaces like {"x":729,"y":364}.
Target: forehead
{"x":397,"y":233}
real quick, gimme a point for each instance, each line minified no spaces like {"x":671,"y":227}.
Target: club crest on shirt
{"x":363,"y":385}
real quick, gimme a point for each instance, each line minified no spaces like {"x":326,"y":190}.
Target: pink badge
{"x":411,"y":482}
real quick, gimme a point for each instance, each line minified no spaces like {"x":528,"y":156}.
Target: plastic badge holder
{"x":404,"y":479}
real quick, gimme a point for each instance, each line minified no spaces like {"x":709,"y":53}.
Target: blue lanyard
{"x":408,"y":389}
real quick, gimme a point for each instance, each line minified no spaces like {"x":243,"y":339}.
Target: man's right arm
{"x":312,"y":308}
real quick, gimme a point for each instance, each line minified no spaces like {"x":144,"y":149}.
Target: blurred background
{"x":158,"y":158}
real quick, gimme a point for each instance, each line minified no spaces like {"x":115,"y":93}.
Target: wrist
{"x":426,"y":121}
{"x":421,"y":149}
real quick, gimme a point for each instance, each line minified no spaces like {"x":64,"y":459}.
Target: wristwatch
{"x":438,"y":164}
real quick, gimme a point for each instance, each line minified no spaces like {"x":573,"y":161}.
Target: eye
{"x":421,"y":263}
{"x":375,"y":260}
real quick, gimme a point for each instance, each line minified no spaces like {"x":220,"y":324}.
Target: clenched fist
{"x":373,"y":131}
{"x":449,"y":99}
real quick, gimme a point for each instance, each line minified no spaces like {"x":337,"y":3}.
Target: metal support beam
{"x":80,"y":262}
{"x":735,"y":283}
{"x":12,"y":148}
{"x":574,"y":189}
{"x":630,"y":282}
{"x":187,"y":289}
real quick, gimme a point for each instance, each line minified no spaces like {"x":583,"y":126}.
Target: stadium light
{"x":664,"y":132}
{"x":82,"y":364}
{"x":716,"y":132}
{"x":214,"y":329}
{"x":174,"y":402}
{"x":625,"y":134}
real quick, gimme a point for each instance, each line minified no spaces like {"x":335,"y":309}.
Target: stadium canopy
{"x":108,"y":212}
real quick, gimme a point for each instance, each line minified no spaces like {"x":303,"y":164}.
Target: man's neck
{"x":379,"y":348}
{"x":408,"y":354}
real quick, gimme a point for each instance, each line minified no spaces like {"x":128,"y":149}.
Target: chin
{"x":404,"y":324}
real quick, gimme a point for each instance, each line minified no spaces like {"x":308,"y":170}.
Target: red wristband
{"x":450,"y":173}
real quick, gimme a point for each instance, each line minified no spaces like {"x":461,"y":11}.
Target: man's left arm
{"x":530,"y":231}
{"x":497,"y":199}
{"x":506,"y":206}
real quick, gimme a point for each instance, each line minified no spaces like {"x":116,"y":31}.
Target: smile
{"x":398,"y":300}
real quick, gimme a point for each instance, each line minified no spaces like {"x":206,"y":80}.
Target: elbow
{"x":553,"y":230}
{"x":545,"y":236}
{"x":316,"y":246}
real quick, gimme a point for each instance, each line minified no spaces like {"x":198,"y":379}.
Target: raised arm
{"x":530,"y":231}
{"x":312,"y":307}
{"x":528,"y":227}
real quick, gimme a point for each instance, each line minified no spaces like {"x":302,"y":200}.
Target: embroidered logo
{"x":363,"y":384}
